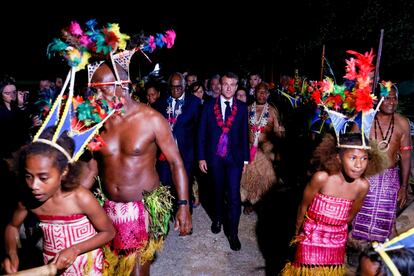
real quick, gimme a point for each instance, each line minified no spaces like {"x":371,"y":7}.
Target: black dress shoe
{"x":216,"y":227}
{"x":234,"y":243}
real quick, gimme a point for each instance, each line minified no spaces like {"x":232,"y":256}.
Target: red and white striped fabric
{"x":60,"y":232}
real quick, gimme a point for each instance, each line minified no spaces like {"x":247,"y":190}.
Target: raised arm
{"x":165,"y":141}
{"x":12,"y":239}
{"x":314,"y":186}
{"x":101,"y":222}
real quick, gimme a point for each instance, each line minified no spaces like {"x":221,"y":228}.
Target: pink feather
{"x":75,"y":29}
{"x":170,"y":38}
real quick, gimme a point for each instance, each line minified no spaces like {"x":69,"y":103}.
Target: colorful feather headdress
{"x":83,"y":118}
{"x":405,"y":240}
{"x":123,"y":58}
{"x":351,"y":102}
{"x":294,"y":89}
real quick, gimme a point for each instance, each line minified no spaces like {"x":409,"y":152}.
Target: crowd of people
{"x":187,"y":141}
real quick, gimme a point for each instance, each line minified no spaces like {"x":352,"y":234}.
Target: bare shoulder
{"x":319,"y":178}
{"x":83,"y":195}
{"x":272,"y":108}
{"x":147,"y":113}
{"x":363,"y":185}
{"x":402,"y":121}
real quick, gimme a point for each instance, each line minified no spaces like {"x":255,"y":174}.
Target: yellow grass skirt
{"x":308,"y":270}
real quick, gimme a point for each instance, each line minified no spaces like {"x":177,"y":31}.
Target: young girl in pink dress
{"x":331,"y":199}
{"x":74,"y":225}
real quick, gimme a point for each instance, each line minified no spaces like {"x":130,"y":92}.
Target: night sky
{"x":205,"y":42}
{"x":216,"y":39}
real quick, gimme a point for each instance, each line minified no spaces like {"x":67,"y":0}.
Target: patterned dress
{"x":321,"y":246}
{"x":60,"y":232}
{"x":376,"y":218}
{"x":129,"y":220}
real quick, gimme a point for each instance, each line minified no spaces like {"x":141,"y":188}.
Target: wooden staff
{"x":377,"y":65}
{"x":322,"y":61}
{"x":45,"y":270}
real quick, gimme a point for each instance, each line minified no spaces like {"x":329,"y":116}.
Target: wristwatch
{"x":182,"y":202}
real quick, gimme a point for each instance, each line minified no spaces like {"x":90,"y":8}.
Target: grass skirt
{"x":259,"y":176}
{"x":291,"y":269}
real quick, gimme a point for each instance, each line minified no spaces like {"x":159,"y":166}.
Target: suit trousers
{"x":226,"y":176}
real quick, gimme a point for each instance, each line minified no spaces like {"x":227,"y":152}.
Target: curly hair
{"x":325,"y":155}
{"x":71,"y":180}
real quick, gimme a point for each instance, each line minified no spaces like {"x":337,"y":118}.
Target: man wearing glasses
{"x":182,"y":111}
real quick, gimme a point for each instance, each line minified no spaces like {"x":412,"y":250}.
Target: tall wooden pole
{"x":377,"y":65}
{"x":322,"y":61}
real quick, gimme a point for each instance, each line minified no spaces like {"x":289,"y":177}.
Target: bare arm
{"x":278,"y":128}
{"x":101,"y":222}
{"x":405,"y":162}
{"x":12,"y":239}
{"x":165,"y":141}
{"x":314,"y":186}
{"x":88,"y":172}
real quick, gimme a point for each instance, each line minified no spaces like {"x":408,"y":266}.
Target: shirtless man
{"x":376,"y":219}
{"x":127,"y":164}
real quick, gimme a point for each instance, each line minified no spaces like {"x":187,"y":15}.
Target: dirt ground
{"x":207,"y":254}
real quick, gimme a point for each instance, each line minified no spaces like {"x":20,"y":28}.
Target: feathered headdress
{"x":294,"y":89}
{"x":353,"y":101}
{"x":405,"y":240}
{"x":123,"y":58}
{"x":83,"y":118}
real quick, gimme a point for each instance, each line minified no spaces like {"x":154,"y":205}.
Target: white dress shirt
{"x":223,"y":105}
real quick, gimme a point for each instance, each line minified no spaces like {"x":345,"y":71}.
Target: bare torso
{"x":127,"y":162}
{"x":396,"y":133}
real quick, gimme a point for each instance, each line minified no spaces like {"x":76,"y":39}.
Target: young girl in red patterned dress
{"x":74,"y":225}
{"x":333,"y":196}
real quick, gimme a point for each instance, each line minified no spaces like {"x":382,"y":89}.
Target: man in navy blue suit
{"x":182,"y":110}
{"x":223,"y":150}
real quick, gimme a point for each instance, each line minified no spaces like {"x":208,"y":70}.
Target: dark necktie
{"x":227,"y":111}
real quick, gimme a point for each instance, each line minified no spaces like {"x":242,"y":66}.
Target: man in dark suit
{"x":182,"y":110}
{"x":223,"y":150}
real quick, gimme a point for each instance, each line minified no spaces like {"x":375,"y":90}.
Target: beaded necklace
{"x":384,"y":144}
{"x":257,"y":126}
{"x":172,"y":116}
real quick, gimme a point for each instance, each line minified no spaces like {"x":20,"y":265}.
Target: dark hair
{"x":152,"y":84}
{"x":352,"y":139}
{"x":324,"y":156}
{"x":61,"y":162}
{"x":402,"y":258}
{"x":6,"y":80}
{"x":230,"y":75}
{"x":195,"y":86}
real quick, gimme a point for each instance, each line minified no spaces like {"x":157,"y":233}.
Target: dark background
{"x":273,"y":38}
